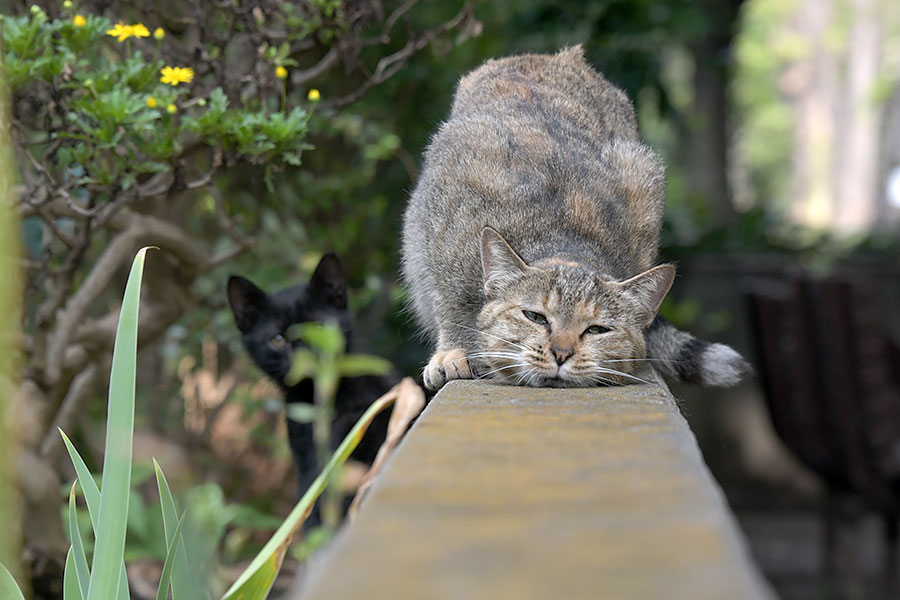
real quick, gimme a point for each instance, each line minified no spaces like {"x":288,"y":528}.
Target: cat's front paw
{"x":446,"y":365}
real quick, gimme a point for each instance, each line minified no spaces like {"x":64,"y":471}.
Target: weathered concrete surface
{"x":519,"y":493}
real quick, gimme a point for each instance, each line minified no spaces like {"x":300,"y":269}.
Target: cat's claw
{"x":445,"y":366}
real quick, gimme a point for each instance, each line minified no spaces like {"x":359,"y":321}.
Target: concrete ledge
{"x":520,"y":493}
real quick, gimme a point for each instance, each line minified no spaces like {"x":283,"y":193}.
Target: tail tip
{"x":722,"y":366}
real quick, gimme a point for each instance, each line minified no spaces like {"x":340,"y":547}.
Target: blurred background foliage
{"x":735,"y":94}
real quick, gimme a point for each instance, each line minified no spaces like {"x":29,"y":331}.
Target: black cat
{"x":263,"y":320}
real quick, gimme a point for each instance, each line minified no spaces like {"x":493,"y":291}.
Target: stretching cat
{"x":530,"y":240}
{"x":263,"y":320}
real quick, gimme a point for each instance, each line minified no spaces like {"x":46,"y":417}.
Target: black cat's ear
{"x":499,"y":262}
{"x":649,"y":288}
{"x":246,"y":302}
{"x":328,"y":282}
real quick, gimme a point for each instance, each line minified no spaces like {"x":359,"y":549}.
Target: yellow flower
{"x":313,"y":95}
{"x":176,"y":75}
{"x":79,"y":21}
{"x":171,"y":109}
{"x":159,"y":33}
{"x":280,"y":72}
{"x":121,"y":31}
{"x":151,"y":101}
{"x":138,"y":30}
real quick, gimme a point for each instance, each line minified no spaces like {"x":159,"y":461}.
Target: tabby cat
{"x":530,"y":241}
{"x":263,"y":320}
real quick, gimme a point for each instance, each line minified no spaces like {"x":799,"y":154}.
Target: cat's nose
{"x":561,"y":354}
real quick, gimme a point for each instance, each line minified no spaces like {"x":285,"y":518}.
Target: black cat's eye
{"x":277,"y":341}
{"x":535,"y":316}
{"x":597,"y":329}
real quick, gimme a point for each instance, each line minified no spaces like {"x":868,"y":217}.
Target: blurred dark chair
{"x":831,"y":377}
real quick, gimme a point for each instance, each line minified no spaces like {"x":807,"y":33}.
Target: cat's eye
{"x":597,"y":329}
{"x":277,"y":341}
{"x":535,"y":316}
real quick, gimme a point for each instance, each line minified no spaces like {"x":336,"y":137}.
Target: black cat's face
{"x":263,"y":319}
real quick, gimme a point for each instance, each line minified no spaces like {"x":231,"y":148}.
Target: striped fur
{"x":680,"y":356}
{"x":530,"y":243}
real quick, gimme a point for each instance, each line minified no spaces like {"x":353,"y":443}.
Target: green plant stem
{"x":330,"y":506}
{"x":255,"y":582}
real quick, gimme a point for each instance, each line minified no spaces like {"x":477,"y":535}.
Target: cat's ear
{"x":246,"y":302}
{"x":328,"y":282}
{"x":649,"y":288}
{"x":499,"y":262}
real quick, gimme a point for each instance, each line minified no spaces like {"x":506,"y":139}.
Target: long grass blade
{"x":256,"y":580}
{"x":181,"y":576}
{"x":112,"y":520}
{"x":82,"y":572}
{"x":9,"y":589}
{"x":71,"y":591}
{"x":85,"y":480}
{"x":92,"y":499}
{"x":171,"y":561}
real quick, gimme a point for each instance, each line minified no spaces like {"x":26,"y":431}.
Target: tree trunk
{"x":707,"y":161}
{"x":835,"y":159}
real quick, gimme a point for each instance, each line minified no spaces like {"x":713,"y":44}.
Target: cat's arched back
{"x":543,"y":151}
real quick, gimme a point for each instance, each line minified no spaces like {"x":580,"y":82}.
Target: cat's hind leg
{"x":446,"y":365}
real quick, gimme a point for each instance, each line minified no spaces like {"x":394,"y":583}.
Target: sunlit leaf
{"x":256,"y":580}
{"x":354,"y":365}
{"x":410,"y":403}
{"x":325,"y":338}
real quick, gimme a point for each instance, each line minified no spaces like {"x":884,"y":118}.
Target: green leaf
{"x":171,"y":562}
{"x":181,"y":579}
{"x":92,"y":499}
{"x":113,"y":515}
{"x":82,"y":572}
{"x":71,"y":591}
{"x":302,"y":412}
{"x":85,"y":480}
{"x":9,"y":589}
{"x":303,"y":366}
{"x":325,"y":338}
{"x":354,"y":365}
{"x":256,"y":580}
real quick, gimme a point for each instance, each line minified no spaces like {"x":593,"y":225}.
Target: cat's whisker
{"x":496,"y":337}
{"x":489,"y":373}
{"x":603,"y":380}
{"x":509,"y":354}
{"x":621,"y":374}
{"x":662,"y":360}
{"x":524,"y":374}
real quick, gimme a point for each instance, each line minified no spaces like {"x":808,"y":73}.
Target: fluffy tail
{"x":678,"y":355}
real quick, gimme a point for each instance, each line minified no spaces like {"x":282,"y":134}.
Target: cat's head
{"x":263,"y":319}
{"x":562,"y":324}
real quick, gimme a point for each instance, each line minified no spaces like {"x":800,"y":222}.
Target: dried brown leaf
{"x":410,"y":402}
